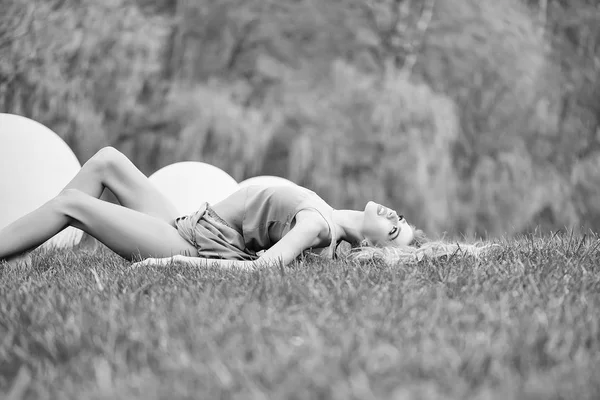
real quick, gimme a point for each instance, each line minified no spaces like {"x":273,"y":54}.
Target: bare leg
{"x":127,"y":232}
{"x":107,"y":169}
{"x":110,"y":169}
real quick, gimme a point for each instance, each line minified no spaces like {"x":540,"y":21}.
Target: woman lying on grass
{"x":254,"y":227}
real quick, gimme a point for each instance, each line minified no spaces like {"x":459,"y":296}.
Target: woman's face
{"x":383,"y":227}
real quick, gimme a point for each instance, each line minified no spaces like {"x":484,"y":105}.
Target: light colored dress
{"x":251,"y":220}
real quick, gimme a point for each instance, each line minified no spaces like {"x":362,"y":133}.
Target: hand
{"x":157,"y":262}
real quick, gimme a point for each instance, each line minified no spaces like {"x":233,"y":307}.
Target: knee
{"x":107,"y":155}
{"x":105,"y":160}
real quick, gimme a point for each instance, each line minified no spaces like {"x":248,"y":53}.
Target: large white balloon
{"x":35,"y":164}
{"x":267,"y":180}
{"x":190,"y":183}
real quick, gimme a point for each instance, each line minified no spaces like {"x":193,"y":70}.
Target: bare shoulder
{"x":311,"y":218}
{"x":313,"y":221}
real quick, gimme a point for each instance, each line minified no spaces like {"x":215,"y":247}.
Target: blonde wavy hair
{"x":421,"y":247}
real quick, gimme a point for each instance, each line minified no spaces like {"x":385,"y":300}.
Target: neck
{"x":349,"y":225}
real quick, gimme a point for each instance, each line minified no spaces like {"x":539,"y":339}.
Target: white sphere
{"x":267,"y":180}
{"x":190,"y":183}
{"x":35,"y":165}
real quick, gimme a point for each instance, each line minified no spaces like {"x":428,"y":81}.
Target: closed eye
{"x":395,"y":231}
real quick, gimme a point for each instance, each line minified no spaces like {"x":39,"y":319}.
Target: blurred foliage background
{"x":471,"y":117}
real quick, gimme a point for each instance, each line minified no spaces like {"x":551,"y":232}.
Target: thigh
{"x":131,"y":234}
{"x":134,"y":190}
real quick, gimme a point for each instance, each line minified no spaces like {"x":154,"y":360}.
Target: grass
{"x":521,"y":323}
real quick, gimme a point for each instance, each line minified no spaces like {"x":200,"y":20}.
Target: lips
{"x":380,"y":209}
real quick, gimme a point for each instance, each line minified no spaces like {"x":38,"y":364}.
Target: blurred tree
{"x":474,"y":116}
{"x":82,"y":68}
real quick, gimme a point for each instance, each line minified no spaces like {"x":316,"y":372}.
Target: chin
{"x":371,"y":207}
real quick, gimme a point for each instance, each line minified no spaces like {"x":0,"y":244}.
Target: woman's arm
{"x":195,"y":262}
{"x":298,"y":239}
